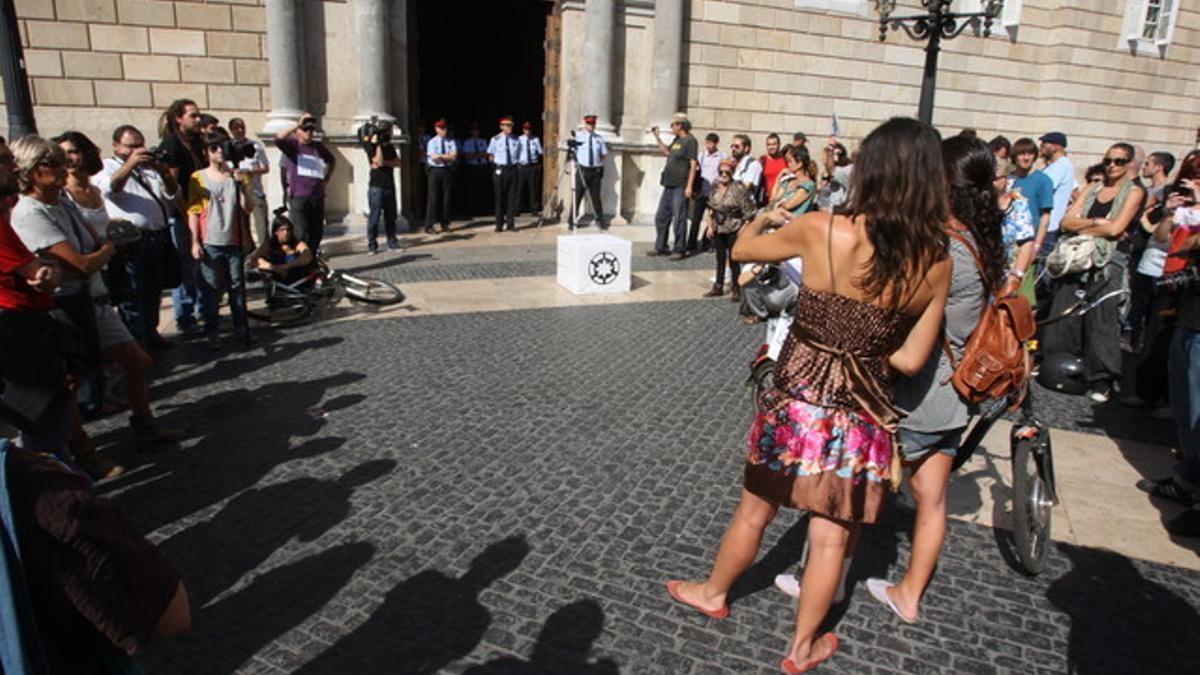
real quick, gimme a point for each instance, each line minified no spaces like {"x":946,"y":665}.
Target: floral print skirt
{"x":829,"y":460}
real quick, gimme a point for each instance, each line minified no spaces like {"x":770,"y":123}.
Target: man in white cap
{"x":678,"y":179}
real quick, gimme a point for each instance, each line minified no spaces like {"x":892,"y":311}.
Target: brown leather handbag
{"x":996,"y":362}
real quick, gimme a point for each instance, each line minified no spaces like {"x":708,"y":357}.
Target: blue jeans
{"x":1184,"y":376}
{"x":144,"y":270}
{"x":221,"y":263}
{"x":382,"y":204}
{"x":186,"y":296}
{"x":671,"y":208}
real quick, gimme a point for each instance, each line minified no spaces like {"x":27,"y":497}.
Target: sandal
{"x":878,"y":589}
{"x":788,"y":665}
{"x":673,"y":589}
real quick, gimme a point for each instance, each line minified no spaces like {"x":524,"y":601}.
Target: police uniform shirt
{"x":505,"y":150}
{"x":473,"y":145}
{"x":531,"y":149}
{"x":439,"y":145}
{"x":591,"y":151}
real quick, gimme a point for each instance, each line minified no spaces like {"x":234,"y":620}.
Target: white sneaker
{"x":790,"y":585}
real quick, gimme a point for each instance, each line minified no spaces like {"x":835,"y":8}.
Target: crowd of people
{"x":897,"y":271}
{"x":903,"y":243}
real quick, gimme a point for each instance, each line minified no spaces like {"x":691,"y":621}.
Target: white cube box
{"x":594,"y":263}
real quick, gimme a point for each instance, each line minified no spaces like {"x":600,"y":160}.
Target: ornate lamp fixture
{"x":935,"y":24}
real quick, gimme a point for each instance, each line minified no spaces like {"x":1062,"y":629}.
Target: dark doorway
{"x":477,"y":60}
{"x":480,"y":59}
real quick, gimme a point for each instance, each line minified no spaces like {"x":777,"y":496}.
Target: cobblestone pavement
{"x":506,"y":492}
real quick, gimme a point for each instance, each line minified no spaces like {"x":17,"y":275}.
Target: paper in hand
{"x":835,"y":128}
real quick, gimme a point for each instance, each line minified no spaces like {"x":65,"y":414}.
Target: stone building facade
{"x":1100,"y":70}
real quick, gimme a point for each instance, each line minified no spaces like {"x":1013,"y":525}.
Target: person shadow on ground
{"x":1122,"y":622}
{"x":213,"y":555}
{"x":564,"y":645}
{"x":242,"y":435}
{"x":425,"y":622}
{"x":258,"y":614}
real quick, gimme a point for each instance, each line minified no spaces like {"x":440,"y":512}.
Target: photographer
{"x":311,"y":167}
{"x":375,"y":137}
{"x":255,"y":165}
{"x":1182,"y":222}
{"x":138,"y":189}
{"x":179,"y":153}
{"x":590,"y":151}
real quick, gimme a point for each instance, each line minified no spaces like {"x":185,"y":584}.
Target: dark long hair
{"x":92,"y":164}
{"x":905,"y":210}
{"x":799,"y":154}
{"x":970,"y":176}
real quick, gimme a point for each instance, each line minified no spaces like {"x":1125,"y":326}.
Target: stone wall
{"x":94,"y":64}
{"x":766,"y":65}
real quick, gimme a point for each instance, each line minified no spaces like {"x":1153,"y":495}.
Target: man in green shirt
{"x":678,"y":178}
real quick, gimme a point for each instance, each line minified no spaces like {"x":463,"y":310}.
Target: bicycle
{"x":278,"y":303}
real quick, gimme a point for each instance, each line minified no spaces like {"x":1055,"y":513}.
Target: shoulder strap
{"x":137,"y":177}
{"x":970,"y":248}
{"x":829,"y":251}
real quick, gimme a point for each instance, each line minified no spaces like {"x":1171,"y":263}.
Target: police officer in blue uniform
{"x":440,"y":153}
{"x":473,"y":152}
{"x":589,"y":158}
{"x":529,"y":176}
{"x":504,"y":151}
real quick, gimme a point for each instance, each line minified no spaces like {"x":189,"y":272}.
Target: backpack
{"x":996,"y":362}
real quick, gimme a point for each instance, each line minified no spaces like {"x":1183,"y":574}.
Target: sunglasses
{"x":724,"y":173}
{"x":1119,"y":161}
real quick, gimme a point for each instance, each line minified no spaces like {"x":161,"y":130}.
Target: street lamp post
{"x":936,"y":24}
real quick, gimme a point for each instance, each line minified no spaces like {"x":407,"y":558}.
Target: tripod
{"x":554,"y":204}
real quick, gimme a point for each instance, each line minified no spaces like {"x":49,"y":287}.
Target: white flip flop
{"x":878,"y":590}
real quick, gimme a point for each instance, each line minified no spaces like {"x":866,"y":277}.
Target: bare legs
{"x":930,"y":477}
{"x":738,"y":549}
{"x":136,"y":364}
{"x":828,"y":542}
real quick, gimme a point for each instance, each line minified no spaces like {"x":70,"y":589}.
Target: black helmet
{"x":1063,"y":372}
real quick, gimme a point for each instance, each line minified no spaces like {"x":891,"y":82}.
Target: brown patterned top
{"x":869,"y":331}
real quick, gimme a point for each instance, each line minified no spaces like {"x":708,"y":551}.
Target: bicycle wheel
{"x":1031,"y":503}
{"x":266,"y":303}
{"x":371,"y":291}
{"x":761,"y":379}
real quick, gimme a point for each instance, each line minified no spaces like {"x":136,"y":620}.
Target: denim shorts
{"x":916,"y":444}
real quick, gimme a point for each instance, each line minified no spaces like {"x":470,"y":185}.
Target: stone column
{"x":668,"y":62}
{"x":370,"y":42}
{"x":599,"y":23}
{"x":284,"y":64}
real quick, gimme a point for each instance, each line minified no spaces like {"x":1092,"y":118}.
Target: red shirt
{"x":771,"y":170}
{"x":14,"y":292}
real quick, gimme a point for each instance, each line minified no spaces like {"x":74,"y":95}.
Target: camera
{"x":381,"y":129}
{"x":160,"y":154}
{"x":234,"y":151}
{"x":1187,"y":279}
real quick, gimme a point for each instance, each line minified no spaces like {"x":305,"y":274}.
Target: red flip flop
{"x":673,"y":589}
{"x":789,"y":666}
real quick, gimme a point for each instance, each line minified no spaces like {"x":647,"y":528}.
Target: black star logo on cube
{"x":604,"y":268}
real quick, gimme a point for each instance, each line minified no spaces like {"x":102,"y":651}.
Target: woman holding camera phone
{"x":871,"y":304}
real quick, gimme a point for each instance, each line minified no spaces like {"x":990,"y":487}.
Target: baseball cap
{"x":589,"y":119}
{"x":1055,"y":137}
{"x":441,"y":123}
